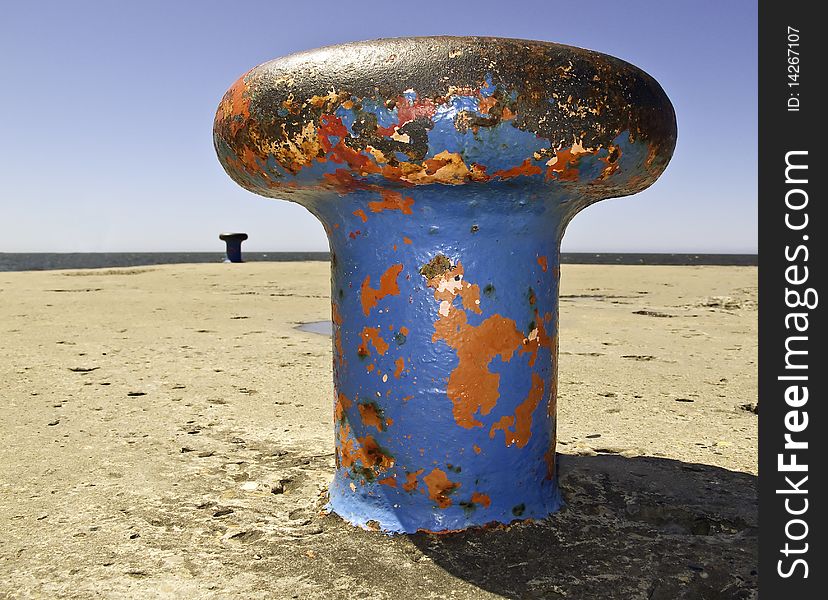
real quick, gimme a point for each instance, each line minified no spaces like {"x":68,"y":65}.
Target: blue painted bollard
{"x":445,"y":171}
{"x":234,"y":242}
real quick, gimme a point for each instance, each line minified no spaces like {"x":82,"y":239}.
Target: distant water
{"x":49,"y":261}
{"x":96,"y":260}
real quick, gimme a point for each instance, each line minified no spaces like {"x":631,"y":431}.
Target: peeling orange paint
{"x":372,"y":335}
{"x":481,"y":499}
{"x":407,"y":241}
{"x":361,"y":214}
{"x":522,"y":420}
{"x":538,"y":338}
{"x":526,"y":168}
{"x":234,"y":106}
{"x":485,"y":104}
{"x":612,"y":160}
{"x":563,"y":166}
{"x":389,"y":481}
{"x":340,"y":406}
{"x":387,"y":287}
{"x":371,"y":416}
{"x":400,"y":365}
{"x":502,"y":424}
{"x":472,"y":387}
{"x":365,"y":450}
{"x":439,"y":487}
{"x":345,"y":453}
{"x":371,"y":454}
{"x":476,"y":449}
{"x":392,"y":200}
{"x":411,"y":483}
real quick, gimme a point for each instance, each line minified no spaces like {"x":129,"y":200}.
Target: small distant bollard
{"x":233,"y":241}
{"x":445,"y":171}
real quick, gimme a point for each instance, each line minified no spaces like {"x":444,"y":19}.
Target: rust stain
{"x":476,"y":449}
{"x":400,"y":365}
{"x":372,"y":455}
{"x":420,"y":108}
{"x":411,"y":480}
{"x":345,"y":452}
{"x":371,"y":415}
{"x":486,"y":104}
{"x":407,"y":241}
{"x":439,"y":487}
{"x":389,"y":481}
{"x":481,"y":499}
{"x":502,"y":424}
{"x":612,"y":161}
{"x":340,"y":406}
{"x":537,"y":338}
{"x":336,"y":316}
{"x":543,"y":262}
{"x":526,"y":168}
{"x":392,"y":200}
{"x":522,"y":420}
{"x":564,"y":165}
{"x":372,"y":335}
{"x":365,"y":450}
{"x":549,"y":458}
{"x":331,"y":126}
{"x":234,"y":107}
{"x":387,"y":287}
{"x":471,"y":386}
{"x":361,"y":214}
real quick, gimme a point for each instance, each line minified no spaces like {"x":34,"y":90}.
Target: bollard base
{"x":374,"y":509}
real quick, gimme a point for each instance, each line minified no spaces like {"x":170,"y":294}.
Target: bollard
{"x":234,"y":242}
{"x":445,"y":171}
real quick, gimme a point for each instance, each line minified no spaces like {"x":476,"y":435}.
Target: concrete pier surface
{"x":167,"y":433}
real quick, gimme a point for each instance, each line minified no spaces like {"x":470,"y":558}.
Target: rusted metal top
{"x":445,"y":110}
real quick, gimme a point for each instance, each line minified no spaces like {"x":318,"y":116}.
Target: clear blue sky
{"x":108,"y":108}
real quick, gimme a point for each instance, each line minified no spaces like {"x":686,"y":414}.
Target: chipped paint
{"x":481,"y":499}
{"x":444,"y":200}
{"x":387,"y":287}
{"x":371,"y":335}
{"x":440,"y":487}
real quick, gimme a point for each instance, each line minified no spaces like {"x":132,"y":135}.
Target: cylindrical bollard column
{"x":445,"y":171}
{"x":234,"y":242}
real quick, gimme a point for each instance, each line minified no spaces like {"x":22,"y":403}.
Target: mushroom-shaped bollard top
{"x":445,"y":170}
{"x":445,"y":110}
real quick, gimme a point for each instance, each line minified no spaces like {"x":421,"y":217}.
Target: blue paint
{"x":498,"y":239}
{"x":445,"y":272}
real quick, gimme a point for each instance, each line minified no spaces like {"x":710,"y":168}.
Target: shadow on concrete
{"x":648,"y":528}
